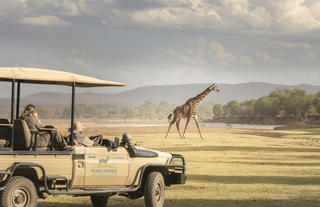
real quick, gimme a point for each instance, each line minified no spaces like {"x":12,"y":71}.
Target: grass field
{"x":231,"y":167}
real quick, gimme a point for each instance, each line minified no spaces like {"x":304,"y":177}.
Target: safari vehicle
{"x":28,"y":173}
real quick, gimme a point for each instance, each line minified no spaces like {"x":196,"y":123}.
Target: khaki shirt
{"x":83,"y":139}
{"x":33,"y":123}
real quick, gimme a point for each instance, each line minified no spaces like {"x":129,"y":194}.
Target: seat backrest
{"x":4,"y":121}
{"x":5,"y":132}
{"x":22,"y":135}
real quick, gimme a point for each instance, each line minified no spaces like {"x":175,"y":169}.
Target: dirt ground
{"x":231,"y":167}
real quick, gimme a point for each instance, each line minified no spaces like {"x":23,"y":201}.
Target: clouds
{"x":266,"y":58}
{"x":266,"y":16}
{"x":298,"y":16}
{"x":178,"y":17}
{"x":290,"y":45}
{"x":205,"y":52}
{"x":219,"y":53}
{"x":294,"y":16}
{"x":165,"y":41}
{"x":44,"y":21}
{"x":78,"y":59}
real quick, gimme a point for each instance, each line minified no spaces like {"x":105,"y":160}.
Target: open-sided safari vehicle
{"x":28,"y":173}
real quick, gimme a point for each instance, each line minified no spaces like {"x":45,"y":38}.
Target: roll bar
{"x":77,"y":81}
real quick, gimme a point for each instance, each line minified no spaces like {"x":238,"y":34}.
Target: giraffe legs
{"x":196,"y":120}
{"x":185,"y":128}
{"x":169,"y":129}
{"x":178,"y":128}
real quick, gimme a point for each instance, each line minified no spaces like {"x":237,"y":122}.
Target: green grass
{"x":231,"y":167}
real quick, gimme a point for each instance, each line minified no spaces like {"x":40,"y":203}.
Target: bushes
{"x":280,"y":102}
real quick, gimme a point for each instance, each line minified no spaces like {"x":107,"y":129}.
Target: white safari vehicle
{"x":28,"y":173}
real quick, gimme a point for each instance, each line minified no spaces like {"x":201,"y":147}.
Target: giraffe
{"x":189,"y":110}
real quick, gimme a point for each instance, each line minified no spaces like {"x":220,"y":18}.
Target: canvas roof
{"x":55,"y":77}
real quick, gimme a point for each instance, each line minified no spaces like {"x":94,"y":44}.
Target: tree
{"x":233,"y":108}
{"x":217,"y":110}
{"x":163,"y":109}
{"x":317,"y":104}
{"x":127,"y":112}
{"x":205,"y":109}
{"x":263,"y":106}
{"x":147,"y":110}
{"x":296,"y":101}
{"x":247,"y":107}
{"x":308,"y":106}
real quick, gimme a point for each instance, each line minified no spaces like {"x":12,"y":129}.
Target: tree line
{"x":147,"y":110}
{"x":280,"y":102}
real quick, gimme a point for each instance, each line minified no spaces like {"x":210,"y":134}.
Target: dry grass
{"x":231,"y":167}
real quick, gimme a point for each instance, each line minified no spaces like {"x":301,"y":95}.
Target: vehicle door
{"x":106,"y":167}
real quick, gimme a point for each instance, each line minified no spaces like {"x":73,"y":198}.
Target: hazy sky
{"x":152,"y":42}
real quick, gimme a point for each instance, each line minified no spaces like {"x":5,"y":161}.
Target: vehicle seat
{"x":22,"y":136}
{"x":5,"y":133}
{"x":136,"y":152}
{"x":23,"y":139}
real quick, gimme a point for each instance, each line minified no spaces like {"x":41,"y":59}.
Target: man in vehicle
{"x":84,"y":140}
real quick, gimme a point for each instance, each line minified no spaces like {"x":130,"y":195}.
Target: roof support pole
{"x":18,"y":100}
{"x":12,"y":110}
{"x":72,"y":111}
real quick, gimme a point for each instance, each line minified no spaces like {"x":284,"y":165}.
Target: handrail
{"x":6,"y":125}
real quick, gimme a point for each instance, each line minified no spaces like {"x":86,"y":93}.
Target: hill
{"x":175,"y":94}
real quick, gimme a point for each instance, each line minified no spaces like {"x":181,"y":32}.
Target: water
{"x":243,"y":126}
{"x":159,"y":123}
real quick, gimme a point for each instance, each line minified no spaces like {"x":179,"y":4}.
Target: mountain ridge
{"x":174,"y":94}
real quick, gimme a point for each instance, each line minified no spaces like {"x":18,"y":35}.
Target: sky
{"x":157,"y":42}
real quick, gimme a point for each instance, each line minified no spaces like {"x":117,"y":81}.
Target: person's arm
{"x":37,"y":122}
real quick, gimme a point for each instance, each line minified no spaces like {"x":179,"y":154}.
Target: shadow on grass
{"x":255,"y":179}
{"x":269,"y":134}
{"x":236,"y":203}
{"x":61,"y":204}
{"x":277,"y":135}
{"x":285,"y":164}
{"x":239,"y":148}
{"x":208,"y":203}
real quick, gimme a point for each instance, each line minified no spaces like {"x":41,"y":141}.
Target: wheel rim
{"x":20,"y":197}
{"x":158,"y":192}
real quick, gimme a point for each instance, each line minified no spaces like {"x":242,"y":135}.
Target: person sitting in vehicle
{"x":30,"y":115}
{"x":84,"y":140}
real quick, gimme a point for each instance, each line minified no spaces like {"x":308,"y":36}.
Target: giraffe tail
{"x":170,"y":118}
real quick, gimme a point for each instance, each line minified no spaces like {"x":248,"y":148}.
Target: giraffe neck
{"x":197,"y":99}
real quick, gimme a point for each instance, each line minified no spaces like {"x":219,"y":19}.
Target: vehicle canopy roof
{"x":54,"y":77}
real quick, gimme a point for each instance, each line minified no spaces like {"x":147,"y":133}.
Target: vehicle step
{"x":103,"y":189}
{"x":59,"y":177}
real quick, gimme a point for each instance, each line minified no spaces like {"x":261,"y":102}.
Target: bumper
{"x":177,"y":172}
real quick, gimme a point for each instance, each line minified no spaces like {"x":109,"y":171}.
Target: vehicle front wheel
{"x":154,"y":190}
{"x":19,"y":192}
{"x":99,"y":200}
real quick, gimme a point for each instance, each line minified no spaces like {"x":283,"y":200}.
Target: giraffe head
{"x":214,"y":87}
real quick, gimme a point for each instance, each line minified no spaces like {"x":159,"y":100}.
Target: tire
{"x":99,"y":200}
{"x":154,"y":190}
{"x":19,"y":192}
